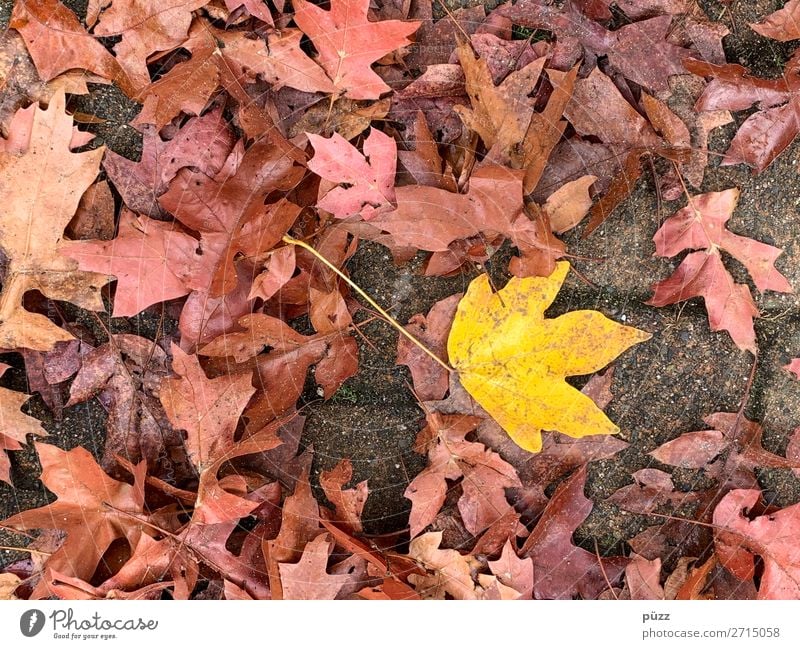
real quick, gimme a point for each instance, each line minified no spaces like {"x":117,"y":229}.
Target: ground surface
{"x":662,"y":388}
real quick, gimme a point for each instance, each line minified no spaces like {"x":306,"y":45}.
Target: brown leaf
{"x":562,"y":570}
{"x":15,"y":425}
{"x":448,"y":571}
{"x":485,"y":476}
{"x":57,"y":42}
{"x":429,"y":377}
{"x":32,"y":227}
{"x":642,"y":578}
{"x":93,"y":509}
{"x":349,"y":503}
{"x":309,"y":579}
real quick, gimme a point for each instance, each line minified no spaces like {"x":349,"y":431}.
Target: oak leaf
{"x":349,"y":43}
{"x":349,"y":503}
{"x":514,"y":572}
{"x":15,"y":425}
{"x":448,"y":571}
{"x":308,"y":578}
{"x":207,"y":409}
{"x":739,"y":538}
{"x":484,"y":476}
{"x":701,"y":224}
{"x":93,"y":509}
{"x":369,"y":178}
{"x":561,"y":570}
{"x":513,"y":360}
{"x":33,"y":222}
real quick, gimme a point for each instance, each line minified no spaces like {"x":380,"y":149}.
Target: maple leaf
{"x":145,"y":27}
{"x":15,"y":425}
{"x":701,"y":224}
{"x":150,"y":260}
{"x":348,"y":43}
{"x":781,"y":25}
{"x":369,"y":177}
{"x":652,"y":489}
{"x":57,"y":42}
{"x":93,"y":509}
{"x":275,"y":57}
{"x":485,"y":475}
{"x":765,"y":134}
{"x":309,"y":579}
{"x":729,"y":452}
{"x":32,"y":224}
{"x":513,"y":361}
{"x":739,"y":539}
{"x":561,"y":570}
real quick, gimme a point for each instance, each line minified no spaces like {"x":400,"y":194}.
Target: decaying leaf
{"x":513,"y":360}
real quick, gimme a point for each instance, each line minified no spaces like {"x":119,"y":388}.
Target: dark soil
{"x":662,"y":388}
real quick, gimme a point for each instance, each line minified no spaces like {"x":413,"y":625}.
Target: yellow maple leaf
{"x":513,"y":360}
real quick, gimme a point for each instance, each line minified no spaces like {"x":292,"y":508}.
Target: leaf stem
{"x":370,"y":301}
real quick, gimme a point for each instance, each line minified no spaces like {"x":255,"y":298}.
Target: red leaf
{"x":739,"y":539}
{"x":369,"y":177}
{"x":349,"y":503}
{"x":701,"y":224}
{"x":561,"y":570}
{"x":348,"y":43}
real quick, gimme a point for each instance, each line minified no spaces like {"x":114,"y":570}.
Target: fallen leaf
{"x":794,"y":367}
{"x":309,"y":579}
{"x":207,"y":409}
{"x":781,"y":25}
{"x":729,"y":452}
{"x":274,"y":56}
{"x":348,"y":43}
{"x":369,"y":178}
{"x":765,"y":134}
{"x":652,"y":489}
{"x":484,"y":476}
{"x":514,"y":361}
{"x":203,"y":142}
{"x":701,"y":224}
{"x":57,"y":42}
{"x":739,"y":538}
{"x":32,"y":226}
{"x":429,"y":377}
{"x":8,"y":584}
{"x":448,"y":571}
{"x":125,"y":375}
{"x":93,"y":509}
{"x":349,"y":503}
{"x":514,"y":572}
{"x":145,"y":27}
{"x":643,"y":577}
{"x":15,"y":426}
{"x":561,"y":570}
